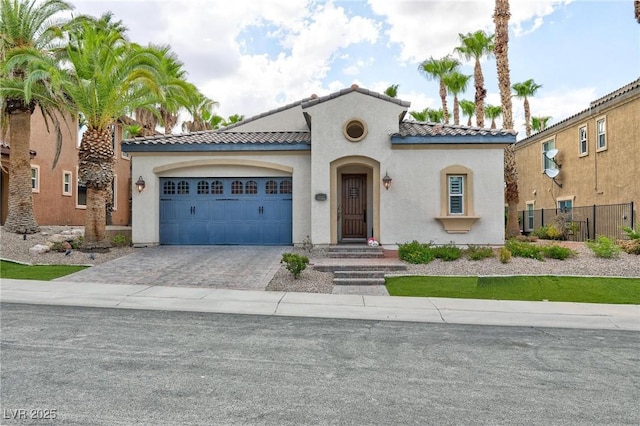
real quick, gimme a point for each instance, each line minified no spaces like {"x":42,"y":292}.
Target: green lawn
{"x":36,"y":272}
{"x":536,"y":288}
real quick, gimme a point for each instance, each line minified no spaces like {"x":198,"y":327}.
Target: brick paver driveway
{"x":236,"y":267}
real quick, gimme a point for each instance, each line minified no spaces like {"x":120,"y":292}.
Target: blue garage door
{"x":248,"y":211}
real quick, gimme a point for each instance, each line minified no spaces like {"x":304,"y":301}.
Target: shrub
{"x":120,"y":240}
{"x":555,"y":251}
{"x":57,"y":246}
{"x":604,"y":247}
{"x":630,"y":246}
{"x":524,"y":249}
{"x":447,"y":252}
{"x":633,"y":234}
{"x":479,"y":253}
{"x":415,"y":252}
{"x":295,"y":263}
{"x":505,"y":255}
{"x":548,"y":232}
{"x":75,"y":244}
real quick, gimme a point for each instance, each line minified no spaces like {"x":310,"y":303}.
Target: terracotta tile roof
{"x":415,"y":128}
{"x":616,"y":93}
{"x":354,"y":88}
{"x":224,"y":138}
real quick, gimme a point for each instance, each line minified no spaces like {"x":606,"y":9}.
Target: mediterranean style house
{"x":589,"y":159}
{"x":58,"y":199}
{"x":345,"y":167}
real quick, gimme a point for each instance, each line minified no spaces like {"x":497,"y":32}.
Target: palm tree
{"x":501,"y":19}
{"x":392,"y":91}
{"x":538,"y":124}
{"x":435,"y":115}
{"x":468,"y":109}
{"x":108,"y":77}
{"x":476,"y":46}
{"x":493,"y":112}
{"x":436,"y":69}
{"x":456,"y":83}
{"x":523,"y":91}
{"x":25,"y":27}
{"x":234,"y":118}
{"x":201,"y":110}
{"x":420,"y":115}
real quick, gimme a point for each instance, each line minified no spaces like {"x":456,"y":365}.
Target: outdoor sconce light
{"x":386,"y":181}
{"x":140,"y":184}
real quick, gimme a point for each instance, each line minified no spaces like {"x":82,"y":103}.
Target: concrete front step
{"x":332,"y":267}
{"x":356,"y":255}
{"x":358,"y":281}
{"x":354,"y":247}
{"x":359,"y":274}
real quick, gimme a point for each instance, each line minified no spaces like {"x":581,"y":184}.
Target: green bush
{"x":604,"y":247}
{"x":75,"y":244}
{"x":505,"y":255}
{"x":523,"y":249}
{"x":447,"y":252}
{"x":633,"y":234}
{"x":479,"y":253}
{"x":57,"y":246}
{"x":295,"y":263}
{"x":415,"y":252}
{"x":548,"y":232}
{"x":120,"y":240}
{"x":555,"y":251}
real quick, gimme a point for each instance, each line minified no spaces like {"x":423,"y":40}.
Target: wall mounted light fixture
{"x":140,"y":184}
{"x":386,"y":181}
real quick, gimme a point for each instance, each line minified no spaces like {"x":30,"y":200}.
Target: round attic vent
{"x":354,"y":130}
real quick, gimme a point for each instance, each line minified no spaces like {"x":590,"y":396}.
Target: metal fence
{"x":583,"y":223}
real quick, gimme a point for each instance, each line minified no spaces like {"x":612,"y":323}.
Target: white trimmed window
{"x":114,"y":188}
{"x":530,"y":216}
{"x":456,"y":194}
{"x":67,"y":179}
{"x":582,"y":136}
{"x":565,"y":206}
{"x":601,"y":132}
{"x":35,"y":178}
{"x":547,"y":163}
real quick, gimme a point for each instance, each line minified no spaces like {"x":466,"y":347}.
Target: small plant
{"x":57,"y":246}
{"x":548,"y":232}
{"x":505,"y":255}
{"x":120,"y":240}
{"x":633,"y":234}
{"x":479,"y":253}
{"x":524,"y":249}
{"x":295,"y":263}
{"x":555,"y":251}
{"x":415,"y":252}
{"x":630,"y":246}
{"x":76,"y":243}
{"x":604,"y":247}
{"x":447,"y":252}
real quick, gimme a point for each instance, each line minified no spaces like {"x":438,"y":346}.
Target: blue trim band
{"x":215,"y":147}
{"x":452,"y":140}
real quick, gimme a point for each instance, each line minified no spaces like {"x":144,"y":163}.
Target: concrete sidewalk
{"x":383,"y":308}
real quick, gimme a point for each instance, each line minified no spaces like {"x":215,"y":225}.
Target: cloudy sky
{"x":252,"y":56}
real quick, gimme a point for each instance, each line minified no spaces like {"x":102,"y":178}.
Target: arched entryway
{"x":355,"y":199}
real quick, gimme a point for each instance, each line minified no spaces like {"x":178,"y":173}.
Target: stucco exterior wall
{"x":288,"y":120}
{"x":599,"y":177}
{"x":146,"y":214}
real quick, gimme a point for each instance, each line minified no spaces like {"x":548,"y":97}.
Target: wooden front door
{"x":354,"y":206}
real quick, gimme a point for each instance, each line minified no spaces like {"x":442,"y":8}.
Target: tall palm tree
{"x":525,"y":90}
{"x":539,"y":123}
{"x":25,"y":27}
{"x":476,"y":46}
{"x":436,"y":69}
{"x":392,"y":91}
{"x":108,"y":76}
{"x":435,"y":115}
{"x":456,"y":83}
{"x":420,"y":115}
{"x":468,"y":109}
{"x":501,"y":17}
{"x":200,"y":108}
{"x":493,"y":112}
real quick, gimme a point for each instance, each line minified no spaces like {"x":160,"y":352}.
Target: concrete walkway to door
{"x":232,"y":267}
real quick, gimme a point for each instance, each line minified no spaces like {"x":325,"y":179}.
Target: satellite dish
{"x":552,"y":173}
{"x":551,"y":154}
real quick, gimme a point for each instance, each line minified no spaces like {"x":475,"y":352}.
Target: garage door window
{"x":236,"y":187}
{"x":217,"y":187}
{"x":271,"y":187}
{"x":251,"y":187}
{"x":183,"y":187}
{"x":285,"y":187}
{"x":203,"y":187}
{"x":169,"y":188}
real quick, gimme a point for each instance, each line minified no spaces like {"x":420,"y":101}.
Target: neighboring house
{"x":597,"y":161}
{"x":315,"y":172}
{"x":57,"y":197}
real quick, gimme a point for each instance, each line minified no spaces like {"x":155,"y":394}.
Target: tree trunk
{"x":527,"y":117}
{"x":511,"y":191}
{"x":95,"y":170}
{"x":20,"y":217}
{"x":443,"y":96}
{"x":501,"y":50}
{"x":493,"y":123}
{"x":481,"y":93}
{"x":456,"y":110}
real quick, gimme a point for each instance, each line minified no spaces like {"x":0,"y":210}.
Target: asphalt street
{"x":95,"y":366}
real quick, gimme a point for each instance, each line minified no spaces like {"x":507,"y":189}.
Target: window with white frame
{"x":601,"y":131}
{"x":114,"y":188}
{"x":547,"y":163}
{"x":582,"y":136}
{"x":81,"y":194}
{"x":530,"y":216}
{"x":565,"y":207}
{"x":67,"y":179}
{"x":35,"y":178}
{"x":456,"y":194}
